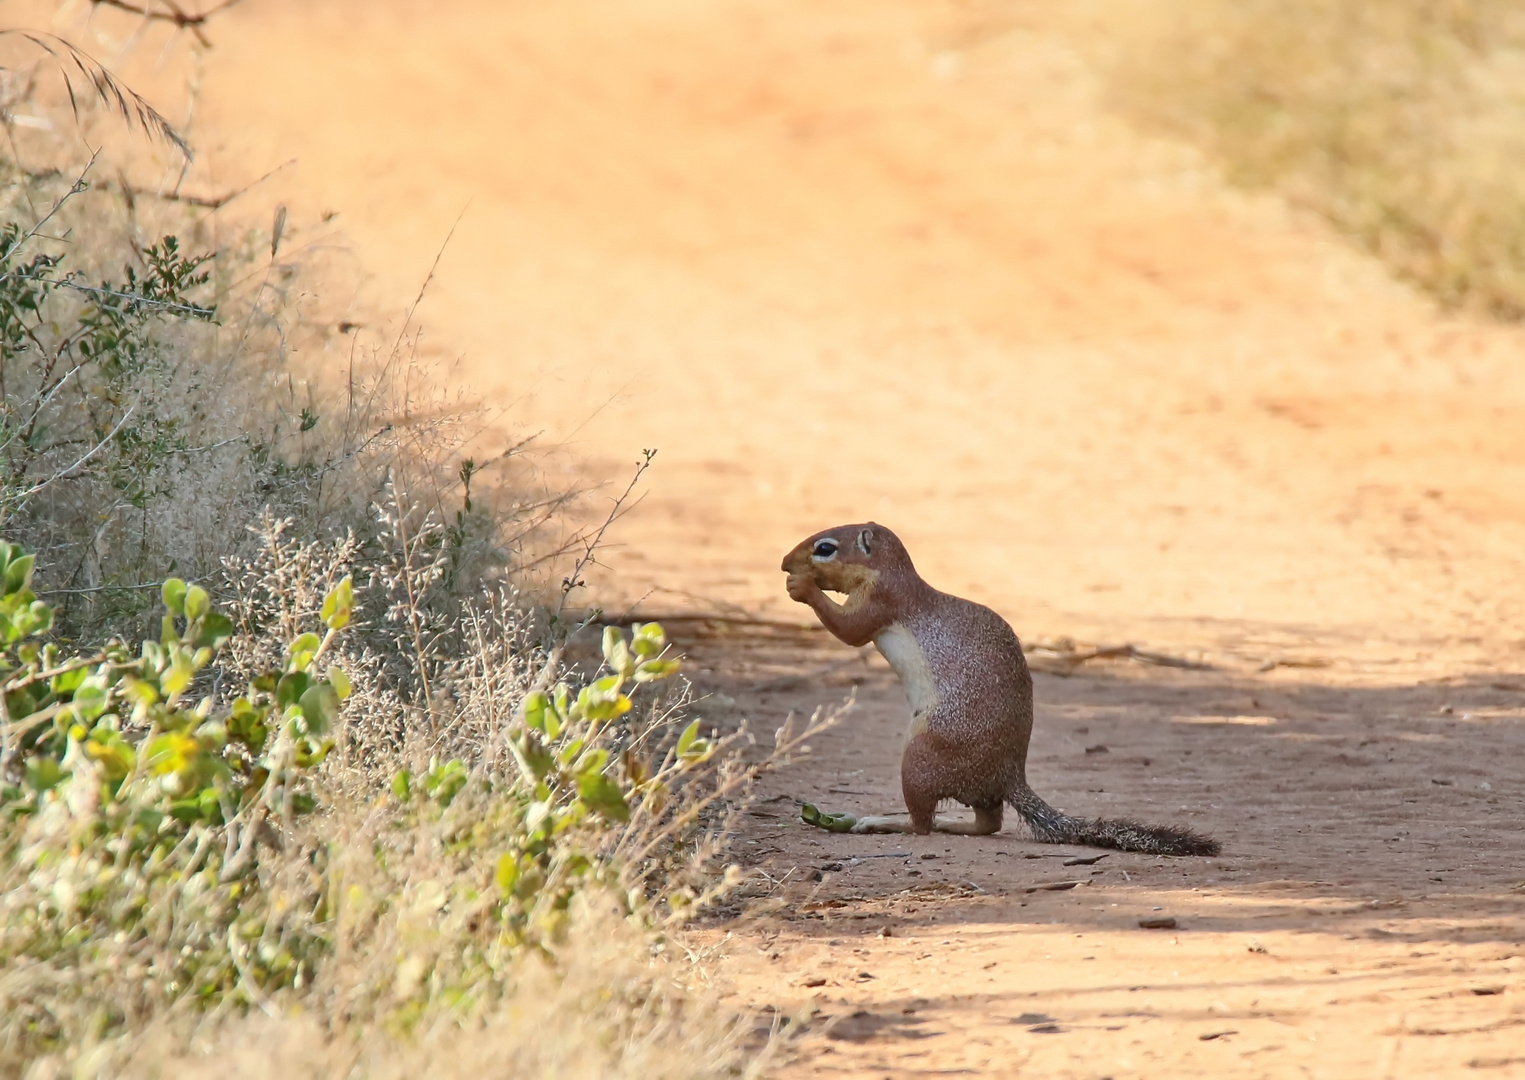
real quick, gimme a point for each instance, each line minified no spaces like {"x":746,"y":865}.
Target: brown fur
{"x":970,"y":689}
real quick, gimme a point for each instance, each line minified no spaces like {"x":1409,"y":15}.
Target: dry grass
{"x":411,"y":985}
{"x":378,"y":934}
{"x":276,"y":404}
{"x":1401,"y":121}
{"x":611,"y":1010}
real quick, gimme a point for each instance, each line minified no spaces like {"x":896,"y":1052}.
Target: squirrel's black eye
{"x":824,"y":549}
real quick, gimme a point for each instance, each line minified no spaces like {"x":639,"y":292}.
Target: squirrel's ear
{"x":865,"y":536}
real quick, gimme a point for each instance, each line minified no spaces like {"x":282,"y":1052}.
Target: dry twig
{"x":182,"y":19}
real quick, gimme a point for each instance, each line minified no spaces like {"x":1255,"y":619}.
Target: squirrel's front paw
{"x":802,"y":587}
{"x":830,"y":822}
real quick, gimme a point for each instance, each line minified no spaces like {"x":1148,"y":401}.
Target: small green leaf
{"x":174,"y":595}
{"x":197,"y":602}
{"x":648,"y":639}
{"x":302,"y":650}
{"x":603,"y":795}
{"x":445,"y":780}
{"x":213,"y":630}
{"x":621,"y":659}
{"x":43,"y":773}
{"x":506,"y":875}
{"x":114,"y":754}
{"x":172,"y":752}
{"x":605,"y":708}
{"x":89,"y":701}
{"x":652,"y":670}
{"x":311,"y":752}
{"x":570,"y":751}
{"x":338,"y":604}
{"x":291,"y":688}
{"x":69,"y":681}
{"x":139,"y":691}
{"x":611,"y":641}
{"x":340,"y":682}
{"x":531,"y":754}
{"x":686,"y":740}
{"x":178,"y":678}
{"x":36,"y":618}
{"x":536,"y":706}
{"x":18,"y":575}
{"x":402,"y":785}
{"x":320,"y":705}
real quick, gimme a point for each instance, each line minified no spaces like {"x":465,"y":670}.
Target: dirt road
{"x":877,"y":259}
{"x":1364,"y":919}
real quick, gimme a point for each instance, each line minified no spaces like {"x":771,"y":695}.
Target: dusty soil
{"x":1365,"y":918}
{"x":876,"y":258}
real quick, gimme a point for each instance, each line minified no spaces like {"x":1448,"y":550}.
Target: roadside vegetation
{"x":308,"y":767}
{"x":1400,"y":121}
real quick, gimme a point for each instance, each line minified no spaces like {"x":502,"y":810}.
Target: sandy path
{"x":1364,"y":920}
{"x":870,"y":258}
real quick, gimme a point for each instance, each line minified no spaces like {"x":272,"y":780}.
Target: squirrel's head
{"x":849,"y":558}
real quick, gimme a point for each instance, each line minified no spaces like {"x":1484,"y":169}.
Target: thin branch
{"x":64,"y":475}
{"x":590,"y":547}
{"x":205,"y":202}
{"x":183,"y":20}
{"x":65,"y":283}
{"x":76,"y":188}
{"x":99,"y":588}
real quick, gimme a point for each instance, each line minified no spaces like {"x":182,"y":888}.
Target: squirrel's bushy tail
{"x":1051,"y":827}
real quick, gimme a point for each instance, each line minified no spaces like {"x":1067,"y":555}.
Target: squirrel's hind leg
{"x":986,"y":822}
{"x":923,"y":820}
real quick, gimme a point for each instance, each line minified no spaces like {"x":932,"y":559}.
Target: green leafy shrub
{"x":132,"y":809}
{"x":110,"y":423}
{"x":174,"y":834}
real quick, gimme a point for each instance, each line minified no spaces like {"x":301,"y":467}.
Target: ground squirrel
{"x":970,"y":692}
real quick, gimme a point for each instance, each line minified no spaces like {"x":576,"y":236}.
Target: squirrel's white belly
{"x":899,"y":646}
